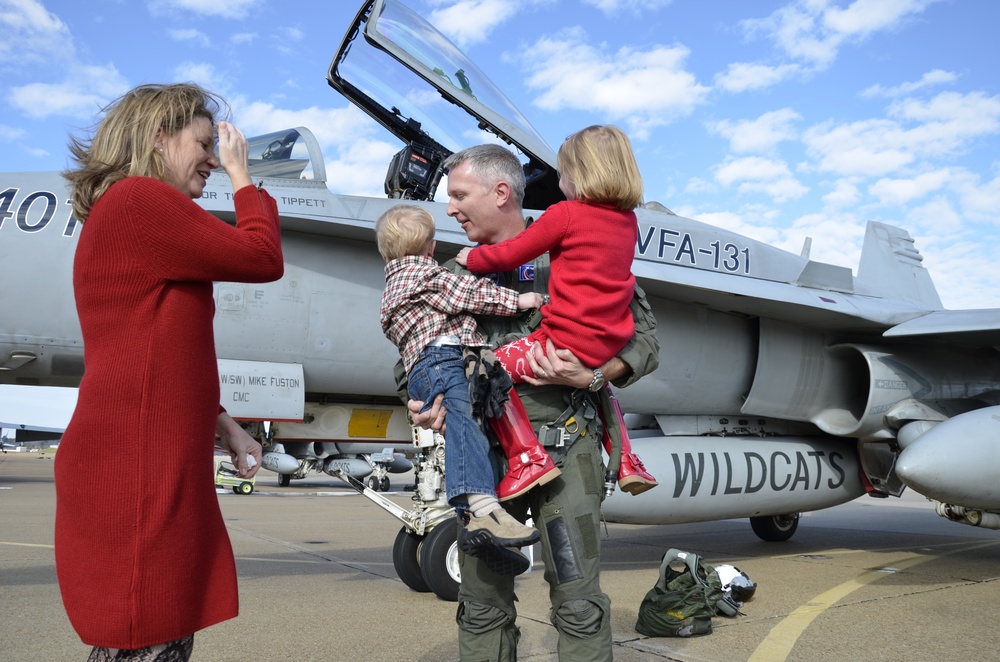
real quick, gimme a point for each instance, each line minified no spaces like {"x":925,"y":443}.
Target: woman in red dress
{"x":142,"y":553}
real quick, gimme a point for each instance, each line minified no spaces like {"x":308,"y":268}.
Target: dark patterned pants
{"x":172,"y":651}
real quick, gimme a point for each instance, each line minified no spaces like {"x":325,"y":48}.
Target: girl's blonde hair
{"x":600,"y":163}
{"x":404,"y":230}
{"x":123,"y":142}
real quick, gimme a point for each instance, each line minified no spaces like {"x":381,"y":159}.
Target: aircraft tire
{"x":775,"y":528}
{"x":439,"y":561}
{"x":284,"y":480}
{"x":373,"y":483}
{"x":384,"y":484}
{"x":406,"y":560}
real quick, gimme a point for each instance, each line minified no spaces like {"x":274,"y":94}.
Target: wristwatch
{"x":598,"y":382}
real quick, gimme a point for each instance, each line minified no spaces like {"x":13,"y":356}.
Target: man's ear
{"x":502,"y":192}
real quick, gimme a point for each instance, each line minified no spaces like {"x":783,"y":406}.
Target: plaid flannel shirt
{"x":423,"y":300}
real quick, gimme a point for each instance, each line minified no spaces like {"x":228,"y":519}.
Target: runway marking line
{"x":778,"y":644}
{"x":26,"y":544}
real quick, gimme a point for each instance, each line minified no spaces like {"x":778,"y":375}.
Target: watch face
{"x":598,"y":381}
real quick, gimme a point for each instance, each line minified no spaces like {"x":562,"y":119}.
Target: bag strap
{"x":690,"y":560}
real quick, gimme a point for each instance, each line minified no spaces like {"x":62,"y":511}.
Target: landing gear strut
{"x":425,"y":552}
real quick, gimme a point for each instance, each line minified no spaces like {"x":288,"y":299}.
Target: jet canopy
{"x":287,"y":154}
{"x":429,"y":94}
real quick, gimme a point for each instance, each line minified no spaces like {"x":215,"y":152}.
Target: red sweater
{"x":591,"y":284}
{"x":142,"y":552}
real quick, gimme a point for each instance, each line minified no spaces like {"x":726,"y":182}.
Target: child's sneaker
{"x":498,"y":528}
{"x":494,"y":539}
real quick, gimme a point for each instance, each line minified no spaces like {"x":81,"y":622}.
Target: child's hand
{"x":529,"y":300}
{"x":463,"y":256}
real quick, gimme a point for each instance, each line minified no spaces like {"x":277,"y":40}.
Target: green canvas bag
{"x":684,"y":599}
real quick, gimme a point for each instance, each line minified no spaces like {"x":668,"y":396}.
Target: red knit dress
{"x":142,"y":552}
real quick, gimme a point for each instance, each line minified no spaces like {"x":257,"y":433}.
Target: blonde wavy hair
{"x":600,"y":163}
{"x":404,"y":230}
{"x":122,"y":143}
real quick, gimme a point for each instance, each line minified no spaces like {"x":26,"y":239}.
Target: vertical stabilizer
{"x":892,"y":266}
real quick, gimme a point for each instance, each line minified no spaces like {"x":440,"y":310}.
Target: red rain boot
{"x":632,"y":475}
{"x":528,"y":463}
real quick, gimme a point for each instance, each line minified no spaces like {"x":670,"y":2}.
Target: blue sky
{"x":780,"y":119}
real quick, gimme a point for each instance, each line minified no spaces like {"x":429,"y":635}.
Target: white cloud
{"x":190,"y":34}
{"x":979,"y":202}
{"x":963,"y":270}
{"x":863,"y":17}
{"x":936,"y":216}
{"x":814,"y":30}
{"x":836,"y":237}
{"x":469,"y":22}
{"x":950,"y":121}
{"x":290,"y":34}
{"x":86,"y":90}
{"x":243,"y":37}
{"x":223,"y":8}
{"x":897,"y":192}
{"x":753,"y":221}
{"x":203,"y":74}
{"x":9,"y":133}
{"x":944,"y":125}
{"x":32,"y":34}
{"x":796,"y":29}
{"x":644,"y":88}
{"x":744,"y":76}
{"x":355,"y":157}
{"x":759,"y":135}
{"x":931,"y":78}
{"x":36,"y":152}
{"x":844,"y":193}
{"x":697,"y":185}
{"x":754,"y":174}
{"x":616,"y":7}
{"x":867,"y":147}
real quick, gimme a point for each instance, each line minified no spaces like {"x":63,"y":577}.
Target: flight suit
{"x":566,"y":511}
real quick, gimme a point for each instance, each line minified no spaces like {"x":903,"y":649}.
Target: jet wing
{"x":38,"y":408}
{"x":977,"y":327}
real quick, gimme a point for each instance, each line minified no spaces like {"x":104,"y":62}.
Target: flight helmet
{"x":735,"y":583}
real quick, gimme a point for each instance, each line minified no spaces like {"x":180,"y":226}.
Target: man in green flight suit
{"x":486,"y":188}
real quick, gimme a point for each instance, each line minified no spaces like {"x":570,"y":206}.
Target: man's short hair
{"x":404,"y":230}
{"x":492,"y":164}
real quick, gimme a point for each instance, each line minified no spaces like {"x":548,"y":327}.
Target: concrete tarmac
{"x":874,"y":580}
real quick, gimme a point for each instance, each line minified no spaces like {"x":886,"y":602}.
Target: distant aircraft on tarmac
{"x":785,"y":385}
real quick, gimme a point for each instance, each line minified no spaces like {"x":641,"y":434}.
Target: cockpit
{"x":288,"y":154}
{"x":417,"y":84}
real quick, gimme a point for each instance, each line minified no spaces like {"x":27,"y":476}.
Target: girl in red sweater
{"x":590,"y":238}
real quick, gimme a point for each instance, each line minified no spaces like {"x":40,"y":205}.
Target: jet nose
{"x":956,"y":461}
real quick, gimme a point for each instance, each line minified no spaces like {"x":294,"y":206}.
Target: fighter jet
{"x":785,"y":385}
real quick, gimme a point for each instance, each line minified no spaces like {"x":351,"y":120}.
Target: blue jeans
{"x":468,"y":468}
